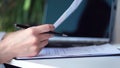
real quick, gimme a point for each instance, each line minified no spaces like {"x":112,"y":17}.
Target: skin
{"x":26,"y":42}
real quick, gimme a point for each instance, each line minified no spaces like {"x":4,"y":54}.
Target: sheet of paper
{"x":93,"y":50}
{"x":69,"y":11}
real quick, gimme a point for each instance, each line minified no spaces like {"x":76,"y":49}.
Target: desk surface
{"x":85,"y":62}
{"x":82,"y":62}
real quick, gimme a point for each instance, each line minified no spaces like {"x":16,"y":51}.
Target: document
{"x":81,"y":51}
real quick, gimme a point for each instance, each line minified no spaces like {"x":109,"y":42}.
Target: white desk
{"x":86,"y":62}
{"x":82,"y":62}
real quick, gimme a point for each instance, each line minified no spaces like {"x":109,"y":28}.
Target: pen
{"x":50,"y":32}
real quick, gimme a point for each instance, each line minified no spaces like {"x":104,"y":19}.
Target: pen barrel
{"x":50,"y":32}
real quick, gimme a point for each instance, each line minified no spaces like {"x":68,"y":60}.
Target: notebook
{"x":91,"y":23}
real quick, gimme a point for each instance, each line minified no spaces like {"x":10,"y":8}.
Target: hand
{"x":22,"y":43}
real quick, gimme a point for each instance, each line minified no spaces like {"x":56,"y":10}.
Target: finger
{"x":44,"y":28}
{"x":42,"y":44}
{"x":43,"y":37}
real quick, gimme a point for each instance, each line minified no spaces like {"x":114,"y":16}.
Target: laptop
{"x":80,"y":38}
{"x":92,"y":22}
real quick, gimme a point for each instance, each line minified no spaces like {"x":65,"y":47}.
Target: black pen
{"x":50,"y":32}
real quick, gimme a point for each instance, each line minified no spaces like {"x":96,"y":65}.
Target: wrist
{"x":6,"y":54}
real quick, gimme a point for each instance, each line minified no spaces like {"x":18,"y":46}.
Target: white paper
{"x":93,"y":50}
{"x":69,"y":11}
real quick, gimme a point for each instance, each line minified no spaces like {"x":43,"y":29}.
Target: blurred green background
{"x":27,"y":12}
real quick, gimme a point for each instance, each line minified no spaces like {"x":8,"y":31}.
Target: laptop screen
{"x":92,"y":19}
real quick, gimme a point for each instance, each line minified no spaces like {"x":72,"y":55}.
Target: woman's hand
{"x":22,"y":43}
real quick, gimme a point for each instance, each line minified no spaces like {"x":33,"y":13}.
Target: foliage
{"x":20,"y":11}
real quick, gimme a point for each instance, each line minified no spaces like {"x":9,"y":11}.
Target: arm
{"x":27,"y":42}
